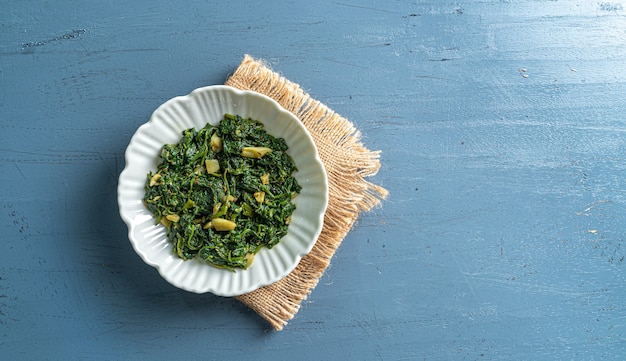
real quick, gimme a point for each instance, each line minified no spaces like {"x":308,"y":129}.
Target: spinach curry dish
{"x":224,"y":192}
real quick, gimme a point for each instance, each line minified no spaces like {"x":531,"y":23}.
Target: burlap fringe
{"x":346,"y":161}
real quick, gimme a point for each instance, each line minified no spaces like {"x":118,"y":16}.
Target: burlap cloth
{"x":347,"y":163}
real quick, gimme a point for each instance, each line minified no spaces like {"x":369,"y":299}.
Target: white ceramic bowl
{"x":166,"y":124}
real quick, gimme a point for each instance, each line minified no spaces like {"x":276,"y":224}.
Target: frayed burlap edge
{"x":346,"y":161}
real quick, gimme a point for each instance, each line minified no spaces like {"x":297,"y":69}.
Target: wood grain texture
{"x":501,"y":125}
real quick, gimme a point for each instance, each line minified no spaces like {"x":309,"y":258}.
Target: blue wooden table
{"x":503,"y":136}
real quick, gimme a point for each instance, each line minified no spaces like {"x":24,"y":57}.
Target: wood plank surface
{"x":503,"y":137}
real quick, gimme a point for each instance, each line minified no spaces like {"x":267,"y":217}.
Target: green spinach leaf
{"x":224,"y":192}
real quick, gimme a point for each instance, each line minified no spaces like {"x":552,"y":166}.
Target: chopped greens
{"x":224,"y":192}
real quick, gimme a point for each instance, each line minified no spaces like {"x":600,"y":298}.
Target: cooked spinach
{"x":224,"y":192}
